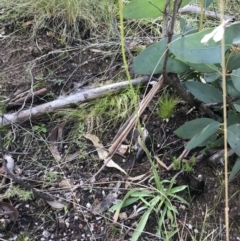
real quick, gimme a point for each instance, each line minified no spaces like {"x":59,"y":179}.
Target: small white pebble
{"x":46,"y":234}
{"x":27,"y":206}
{"x":67,"y":224}
{"x":88,"y":205}
{"x":183,"y":207}
{"x":75,"y":217}
{"x":189,"y":226}
{"x":123,"y":216}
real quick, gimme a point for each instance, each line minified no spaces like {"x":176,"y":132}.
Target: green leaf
{"x":142,"y":194}
{"x":199,"y":138}
{"x":170,"y":216}
{"x":191,"y":128}
{"x":235,"y":76}
{"x":127,"y":202}
{"x":233,"y":118}
{"x":211,"y":77}
{"x":233,"y":61}
{"x":204,"y":92}
{"x":177,"y":189}
{"x":141,"y":225}
{"x":161,"y":220}
{"x":139,"y":9}
{"x":190,"y":48}
{"x":207,"y":3}
{"x":204,"y":68}
{"x":129,"y":193}
{"x":150,"y":61}
{"x":234,"y":138}
{"x":211,"y":145}
{"x":231,"y":90}
{"x":235,"y":169}
{"x":236,"y":105}
{"x":209,"y":140}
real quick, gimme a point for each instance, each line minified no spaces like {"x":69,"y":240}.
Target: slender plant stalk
{"x":201,"y":15}
{"x":122,"y":39}
{"x":225,"y":124}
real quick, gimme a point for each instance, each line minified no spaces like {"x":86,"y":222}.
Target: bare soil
{"x":26,"y":62}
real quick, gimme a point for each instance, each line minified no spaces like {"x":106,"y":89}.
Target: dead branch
{"x":130,"y":124}
{"x":77,"y":98}
{"x":191,"y":9}
{"x":17,"y":101}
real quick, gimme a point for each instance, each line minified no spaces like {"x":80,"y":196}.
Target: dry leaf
{"x":105,"y":203}
{"x":65,"y":183}
{"x":123,"y":149}
{"x":102,"y":153}
{"x":9,"y":163}
{"x":52,"y":146}
{"x":140,"y":177}
{"x":26,"y":24}
{"x":56,"y":204}
{"x":9,"y":210}
{"x":160,"y":162}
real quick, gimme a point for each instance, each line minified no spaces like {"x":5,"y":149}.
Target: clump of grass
{"x":23,"y":195}
{"x":69,"y":18}
{"x":104,"y":112}
{"x":167,"y":105}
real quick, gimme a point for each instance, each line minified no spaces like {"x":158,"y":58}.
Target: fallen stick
{"x":18,"y":101}
{"x":77,"y":98}
{"x":131,"y":122}
{"x":191,"y":9}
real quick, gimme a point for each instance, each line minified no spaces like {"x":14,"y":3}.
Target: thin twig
{"x":131,"y":123}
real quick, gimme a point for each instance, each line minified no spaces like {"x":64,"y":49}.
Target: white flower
{"x":217,"y":33}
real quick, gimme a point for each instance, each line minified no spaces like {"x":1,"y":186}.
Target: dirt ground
{"x":43,"y":62}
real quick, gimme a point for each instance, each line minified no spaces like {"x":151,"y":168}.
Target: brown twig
{"x":17,"y":101}
{"x":131,"y":123}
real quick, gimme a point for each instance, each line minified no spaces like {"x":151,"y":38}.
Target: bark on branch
{"x":190,"y":9}
{"x":77,"y":98}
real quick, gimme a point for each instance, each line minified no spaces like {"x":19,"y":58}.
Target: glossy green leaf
{"x":203,"y":135}
{"x":151,"y":60}
{"x":234,"y":138}
{"x":204,"y":92}
{"x":191,"y":128}
{"x":235,"y":170}
{"x":235,"y":76}
{"x":190,"y":48}
{"x":139,"y":9}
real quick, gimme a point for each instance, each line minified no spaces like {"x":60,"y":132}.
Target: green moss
{"x":167,"y":104}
